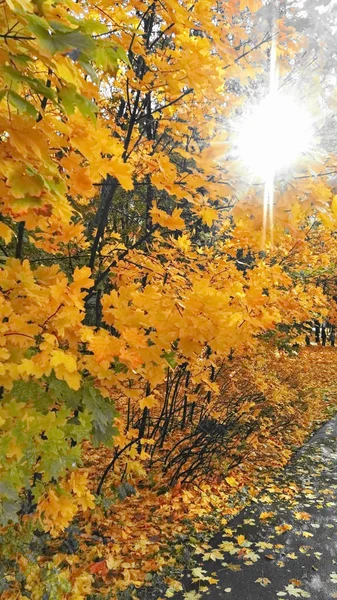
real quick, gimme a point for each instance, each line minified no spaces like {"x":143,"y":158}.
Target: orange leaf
{"x":99,"y":568}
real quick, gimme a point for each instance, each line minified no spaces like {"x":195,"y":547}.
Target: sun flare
{"x":274,"y":135}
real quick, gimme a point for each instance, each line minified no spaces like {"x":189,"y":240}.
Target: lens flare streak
{"x":272,"y":138}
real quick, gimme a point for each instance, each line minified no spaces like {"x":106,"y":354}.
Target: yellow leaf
{"x":56,"y":511}
{"x":5,"y":232}
{"x":148,"y":402}
{"x":208,"y":215}
{"x":173,"y":221}
{"x":199,"y":573}
{"x":60,"y":358}
{"x":213,"y":555}
{"x":20,"y":4}
{"x":282,"y":528}
{"x":266,"y":515}
{"x":241,"y":539}
{"x":232,"y":482}
{"x":122,"y":171}
{"x":72,"y":379}
{"x":192,"y":595}
{"x":14,"y":450}
{"x":184,"y":243}
{"x":334,"y":206}
{"x":263,"y":581}
{"x":302,"y":516}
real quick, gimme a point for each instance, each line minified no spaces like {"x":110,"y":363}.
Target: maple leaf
{"x":296,"y":592}
{"x":56,"y":512}
{"x":175,"y":585}
{"x":227,"y":547}
{"x":192,"y":595}
{"x":302,"y":516}
{"x":173,"y":221}
{"x":283,"y":528}
{"x":5,"y":232}
{"x":212,"y":555}
{"x":82,"y":585}
{"x":241,"y":539}
{"x":184,"y":243}
{"x":65,"y":367}
{"x":199,"y":573}
{"x":264,"y":581}
{"x":264,"y":545}
{"x":251,"y":556}
{"x":148,"y":402}
{"x":78,"y":483}
{"x":208,"y":215}
{"x":99,"y":568}
{"x":295,"y":582}
{"x":266,"y":515}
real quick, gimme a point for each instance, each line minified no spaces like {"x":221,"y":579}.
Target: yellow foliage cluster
{"x":137,"y":276}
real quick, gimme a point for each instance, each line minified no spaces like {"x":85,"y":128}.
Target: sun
{"x":274,"y":135}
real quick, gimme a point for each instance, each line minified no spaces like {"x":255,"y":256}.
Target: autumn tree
{"x":135,"y":267}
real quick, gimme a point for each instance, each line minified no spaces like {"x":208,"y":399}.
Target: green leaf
{"x":34,"y":20}
{"x":40,"y":88}
{"x":60,"y":391}
{"x":73,"y":39}
{"x":21,"y":104}
{"x":21,"y":58}
{"x":170,"y":358}
{"x":70,"y":100}
{"x":58,"y":26}
{"x":31,"y":391}
{"x":90,"y":26}
{"x":36,"y":84}
{"x":40,"y":28}
{"x":8,"y":491}
{"x":122,"y":55}
{"x":14,"y":74}
{"x":106,"y":58}
{"x":86,"y":107}
{"x":10,"y":508}
{"x":62,"y":38}
{"x":103,"y":412}
{"x":67,"y":97}
{"x":86,"y":66}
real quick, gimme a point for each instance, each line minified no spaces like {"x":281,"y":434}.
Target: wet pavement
{"x":285,"y":544}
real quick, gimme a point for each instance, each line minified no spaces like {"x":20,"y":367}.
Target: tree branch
{"x":18,"y":250}
{"x":105,"y":273}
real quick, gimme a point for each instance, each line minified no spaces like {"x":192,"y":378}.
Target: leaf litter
{"x":266,"y":539}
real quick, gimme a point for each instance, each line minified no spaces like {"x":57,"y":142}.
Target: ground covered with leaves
{"x":142,"y":533}
{"x":284,"y":544}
